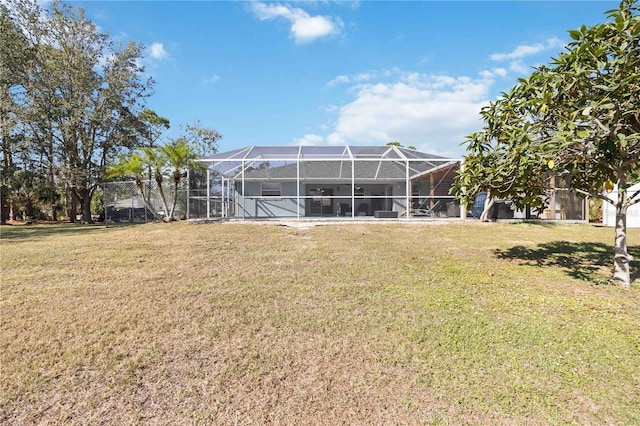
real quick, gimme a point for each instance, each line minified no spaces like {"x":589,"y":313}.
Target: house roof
{"x":323,"y":162}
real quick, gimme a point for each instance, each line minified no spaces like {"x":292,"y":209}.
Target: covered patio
{"x":323,"y":181}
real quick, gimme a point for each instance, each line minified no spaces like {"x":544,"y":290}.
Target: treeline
{"x":71,"y":101}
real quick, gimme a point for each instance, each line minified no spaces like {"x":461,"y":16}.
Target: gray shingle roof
{"x":333,"y":163}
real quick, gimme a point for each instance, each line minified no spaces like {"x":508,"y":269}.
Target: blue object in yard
{"x":478,"y":205}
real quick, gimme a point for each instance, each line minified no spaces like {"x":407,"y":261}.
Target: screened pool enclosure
{"x":322,"y":181}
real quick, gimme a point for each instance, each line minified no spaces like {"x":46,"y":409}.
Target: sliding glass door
{"x":320,"y":201}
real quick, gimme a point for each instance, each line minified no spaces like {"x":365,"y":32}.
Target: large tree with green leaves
{"x":152,"y":126}
{"x":80,"y":99}
{"x":203,"y":139}
{"x":15,"y":54}
{"x":575,"y":119}
{"x":205,"y":143}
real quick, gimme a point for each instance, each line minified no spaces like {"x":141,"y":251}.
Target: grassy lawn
{"x":240,"y":323}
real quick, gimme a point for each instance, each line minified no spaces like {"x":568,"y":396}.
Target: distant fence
{"x":123,"y":203}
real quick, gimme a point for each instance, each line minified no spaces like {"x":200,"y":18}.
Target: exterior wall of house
{"x":313,"y":203}
{"x":399,"y":197}
{"x":633,"y":213}
{"x":257,"y":206}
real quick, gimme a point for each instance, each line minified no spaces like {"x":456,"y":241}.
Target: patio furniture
{"x":431,"y":212}
{"x":345,"y":209}
{"x":385,"y":214}
{"x":363,"y":209}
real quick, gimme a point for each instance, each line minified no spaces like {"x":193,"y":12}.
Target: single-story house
{"x":316,"y":181}
{"x":347,"y":181}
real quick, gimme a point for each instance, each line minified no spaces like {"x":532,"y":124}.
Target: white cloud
{"x":516,"y":56}
{"x":353,"y":4}
{"x":500,"y":71}
{"x":336,"y":138}
{"x":519,"y":67}
{"x":431,"y":112}
{"x":157,"y":51}
{"x":518,"y":53}
{"x":310,"y":139}
{"x":434,"y":113}
{"x":361,"y":77}
{"x":525,"y":50}
{"x":365,"y":76}
{"x":304,"y":27}
{"x":338,"y":80}
{"x":211,"y":79}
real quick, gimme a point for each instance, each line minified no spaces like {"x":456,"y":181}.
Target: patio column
{"x":222,"y":199}
{"x":208,"y":193}
{"x":298,"y":187}
{"x":188,"y":186}
{"x":353,"y":188}
{"x":243,"y":191}
{"x":407,"y":185}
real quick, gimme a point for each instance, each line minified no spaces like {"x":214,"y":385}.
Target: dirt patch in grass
{"x":338,"y":324}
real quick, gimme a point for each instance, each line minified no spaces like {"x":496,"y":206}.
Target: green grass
{"x":418,"y":323}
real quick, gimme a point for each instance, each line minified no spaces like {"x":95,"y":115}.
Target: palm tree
{"x":178,"y":156}
{"x":135,"y":165}
{"x":168,"y":161}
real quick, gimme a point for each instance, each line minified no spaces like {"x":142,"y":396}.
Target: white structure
{"x":303,"y":181}
{"x":609,"y":211}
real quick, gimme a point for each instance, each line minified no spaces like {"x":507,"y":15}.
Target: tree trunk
{"x":146,"y":199}
{"x":176,"y":183}
{"x":73,"y":210}
{"x":7,"y":159}
{"x":621,"y":258}
{"x":52,"y":182}
{"x":488,"y":203}
{"x":3,"y":208}
{"x":165,"y":206}
{"x":85,"y":203}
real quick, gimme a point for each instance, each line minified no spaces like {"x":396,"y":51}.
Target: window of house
{"x":271,"y":189}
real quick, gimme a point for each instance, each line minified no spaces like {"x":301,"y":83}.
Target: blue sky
{"x":337,"y":72}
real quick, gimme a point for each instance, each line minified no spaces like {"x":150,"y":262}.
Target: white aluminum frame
{"x":245,"y":157}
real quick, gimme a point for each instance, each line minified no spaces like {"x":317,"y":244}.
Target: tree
{"x":152,"y":126}
{"x":395,"y":143}
{"x":576,"y":119}
{"x":14,"y":57}
{"x":133,"y":165}
{"x":80,"y":99}
{"x":179,"y":156}
{"x":168,"y":163}
{"x":202,"y":139}
{"x":205,"y":142}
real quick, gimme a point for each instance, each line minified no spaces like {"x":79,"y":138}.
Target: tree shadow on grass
{"x":584,"y":261}
{"x":537,"y":222}
{"x":34,"y":232}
